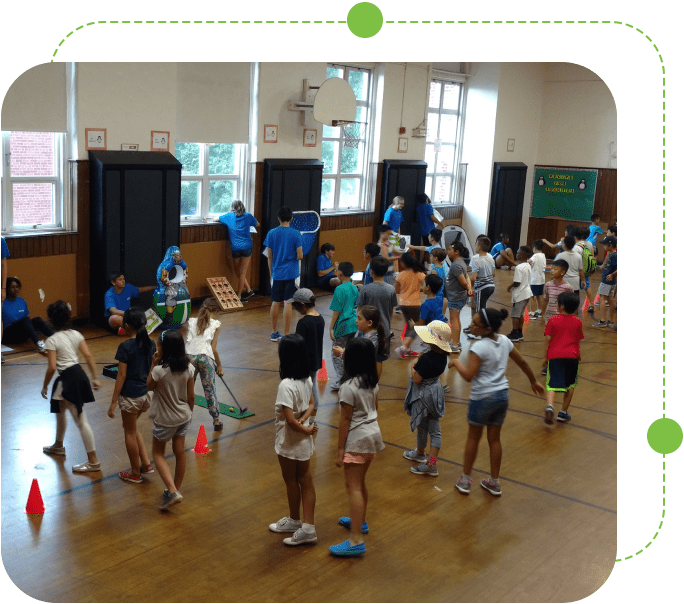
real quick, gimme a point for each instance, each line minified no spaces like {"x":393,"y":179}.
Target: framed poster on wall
{"x":96,"y":139}
{"x":566,"y":193}
{"x":159,"y":141}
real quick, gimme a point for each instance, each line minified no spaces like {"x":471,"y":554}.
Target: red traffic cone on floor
{"x":585,"y":306}
{"x":322,"y":374}
{"x":34,"y":505}
{"x":527,"y":315}
{"x":201,"y":443}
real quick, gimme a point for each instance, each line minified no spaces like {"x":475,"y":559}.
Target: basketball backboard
{"x":334,"y":102}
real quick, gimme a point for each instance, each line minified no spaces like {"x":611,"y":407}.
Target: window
{"x":442,"y":148}
{"x":345,"y":169}
{"x":33,"y":183}
{"x":211,"y":178}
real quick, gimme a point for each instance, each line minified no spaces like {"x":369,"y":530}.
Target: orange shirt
{"x":410,"y":287}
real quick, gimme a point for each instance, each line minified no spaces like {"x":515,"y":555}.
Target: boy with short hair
{"x":369,"y":252}
{"x":379,"y":294}
{"x":502,"y":254}
{"x":538,"y":264}
{"x":117,"y":299}
{"x":431,"y":309}
{"x":521,"y":293}
{"x":343,"y":322}
{"x":587,"y":251}
{"x":608,"y":285}
{"x":482,"y":274}
{"x":575,"y":273}
{"x":563,"y":334}
{"x":553,"y":288}
{"x":327,"y":273}
{"x":594,"y":230}
{"x":434,"y":237}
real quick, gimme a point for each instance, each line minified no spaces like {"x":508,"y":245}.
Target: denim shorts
{"x":457,"y":304}
{"x":164,"y":433}
{"x":488,"y":411}
{"x":282,"y":290}
{"x":241,"y":253}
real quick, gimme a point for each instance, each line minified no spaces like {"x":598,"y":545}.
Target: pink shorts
{"x":358,"y":457}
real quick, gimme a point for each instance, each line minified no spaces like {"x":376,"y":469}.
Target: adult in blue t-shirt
{"x":117,"y":300}
{"x":284,"y":249}
{"x":18,"y":326}
{"x":238,"y":222}
{"x":393,"y":216}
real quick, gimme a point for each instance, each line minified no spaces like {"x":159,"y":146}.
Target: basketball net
{"x":307,"y":223}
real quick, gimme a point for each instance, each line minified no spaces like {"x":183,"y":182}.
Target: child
{"x":433,"y":239}
{"x":431,"y":309}
{"x":586,"y":250}
{"x":327,"y":278}
{"x":18,"y":326}
{"x":130,"y":390}
{"x":521,"y":293}
{"x":117,"y":300}
{"x":608,"y":285}
{"x":393,"y":216}
{"x":71,"y":389}
{"x":424,"y":400}
{"x":482,"y":275}
{"x":457,"y":290}
{"x":486,"y":369}
{"x":380,"y":294}
{"x":538,"y":264}
{"x":202,"y":337}
{"x":387,"y":250}
{"x":343,"y":322}
{"x":369,"y":252}
{"x":408,"y":285}
{"x":284,"y":246}
{"x":294,"y":443}
{"x":570,"y":231}
{"x":594,"y":230}
{"x":561,"y":359}
{"x":369,"y":325}
{"x":553,"y":288}
{"x":171,"y":409}
{"x":359,"y":439}
{"x":502,"y":254}
{"x":575,"y":273}
{"x":311,"y":327}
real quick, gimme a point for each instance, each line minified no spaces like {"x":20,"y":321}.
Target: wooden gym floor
{"x":550,"y":537}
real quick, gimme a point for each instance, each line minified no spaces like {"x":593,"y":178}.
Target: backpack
{"x":588,"y":260}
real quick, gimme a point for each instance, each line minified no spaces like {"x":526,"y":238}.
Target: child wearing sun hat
{"x":424,"y":400}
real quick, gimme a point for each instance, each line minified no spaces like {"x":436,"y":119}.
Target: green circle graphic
{"x":364,"y":20}
{"x":664,"y":436}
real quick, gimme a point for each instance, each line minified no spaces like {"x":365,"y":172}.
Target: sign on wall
{"x":563,"y":193}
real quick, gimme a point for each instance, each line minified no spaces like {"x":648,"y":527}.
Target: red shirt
{"x":566,"y":333}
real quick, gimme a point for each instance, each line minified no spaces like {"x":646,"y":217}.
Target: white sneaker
{"x":41,"y":346}
{"x":300,"y":537}
{"x":285,"y":525}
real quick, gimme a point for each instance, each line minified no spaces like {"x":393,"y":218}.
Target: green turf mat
{"x":224,"y":409}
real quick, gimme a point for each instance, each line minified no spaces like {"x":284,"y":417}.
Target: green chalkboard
{"x":563,"y":193}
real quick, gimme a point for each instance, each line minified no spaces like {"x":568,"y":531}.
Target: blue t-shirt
{"x":324,"y":263}
{"x":14,"y":310}
{"x":367,"y":277}
{"x":394,"y":218}
{"x":441,"y":272}
{"x":120,"y":301}
{"x":609,"y":266}
{"x":594,"y":231}
{"x":424,"y":212}
{"x":238,"y":230}
{"x":497,"y":249}
{"x":5,"y":249}
{"x":283,"y":242}
{"x":431,"y":310}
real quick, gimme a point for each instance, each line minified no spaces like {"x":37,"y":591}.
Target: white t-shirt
{"x":201,"y":344}
{"x":295,"y":394}
{"x":492,"y":375}
{"x":65,"y":344}
{"x":522,"y":275}
{"x":574,"y":261}
{"x":538,"y":264}
{"x":364,"y":433}
{"x":169,"y":407}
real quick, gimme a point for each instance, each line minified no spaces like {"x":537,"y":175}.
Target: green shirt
{"x":344,"y":302}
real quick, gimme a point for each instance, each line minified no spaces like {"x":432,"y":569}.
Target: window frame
{"x":62,"y":206}
{"x":204,"y":178}
{"x":337,"y":176}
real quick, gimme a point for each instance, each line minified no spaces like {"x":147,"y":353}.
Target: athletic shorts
{"x":457,"y":304}
{"x":241,"y":253}
{"x":282,"y":290}
{"x":562,"y":374}
{"x":358,"y":457}
{"x":519,"y":308}
{"x":134,"y":405}
{"x":538,"y":290}
{"x":587,"y":285}
{"x":164,"y":433}
{"x":606,"y":289}
{"x":490,"y":410}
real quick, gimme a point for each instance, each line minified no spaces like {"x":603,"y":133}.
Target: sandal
{"x":147,"y":469}
{"x":128,"y":477}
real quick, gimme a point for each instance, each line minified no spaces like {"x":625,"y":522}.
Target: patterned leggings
{"x":207,"y":370}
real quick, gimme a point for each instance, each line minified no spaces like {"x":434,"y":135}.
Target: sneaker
{"x":505,"y":267}
{"x":466,"y":329}
{"x":456,"y":349}
{"x":463,"y":485}
{"x":86,"y":467}
{"x":515,"y":336}
{"x":446,"y":388}
{"x":533,"y":316}
{"x":345,"y":521}
{"x":128,"y":477}
{"x":347,"y":549}
{"x":543,"y":371}
{"x":300,"y":537}
{"x":493,"y":487}
{"x":425,"y":469}
{"x":610,"y":324}
{"x":52,"y":450}
{"x":41,"y":346}
{"x":591,"y":309}
{"x":169,"y":499}
{"x":470,"y":336}
{"x":411,"y":354}
{"x":563,"y":416}
{"x":275,"y":337}
{"x":147,"y":469}
{"x":413,"y":455}
{"x":548,"y":414}
{"x":600,"y":324}
{"x":285,"y":525}
{"x":246,"y":295}
{"x":218,"y":427}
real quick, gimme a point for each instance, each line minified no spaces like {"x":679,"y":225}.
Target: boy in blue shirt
{"x":502,"y":254}
{"x":608,"y":286}
{"x":327,"y":273}
{"x":594,"y":230}
{"x":117,"y":300}
{"x":343,"y":322}
{"x":431,"y":309}
{"x":284,"y":248}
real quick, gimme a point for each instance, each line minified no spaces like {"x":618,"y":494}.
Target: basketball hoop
{"x":353,"y":133}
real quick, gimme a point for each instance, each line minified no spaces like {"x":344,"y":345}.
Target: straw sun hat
{"x":437,"y":333}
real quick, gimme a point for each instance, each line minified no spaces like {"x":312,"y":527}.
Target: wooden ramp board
{"x":224,"y":409}
{"x":224,"y":293}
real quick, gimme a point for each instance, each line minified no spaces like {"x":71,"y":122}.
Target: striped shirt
{"x":484,"y":267}
{"x":551,"y":292}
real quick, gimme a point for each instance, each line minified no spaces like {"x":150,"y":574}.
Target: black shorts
{"x":282,"y":290}
{"x":562,"y":374}
{"x":241,"y":253}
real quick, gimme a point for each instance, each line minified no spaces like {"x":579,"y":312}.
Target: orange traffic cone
{"x":322,"y":374}
{"x":527,"y":315}
{"x":34,"y":505}
{"x":201,"y":443}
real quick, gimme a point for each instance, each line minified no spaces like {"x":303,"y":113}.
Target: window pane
{"x":328,"y":194}
{"x":433,"y":120}
{"x":188,"y":154}
{"x":447,"y":128}
{"x":428,"y":187}
{"x":445,"y":160}
{"x":358,"y":80}
{"x":221,"y":195}
{"x":430,"y":158}
{"x":32,"y":203}
{"x":329,"y":153}
{"x":352,"y":160}
{"x":442,"y":189}
{"x":435,"y":89}
{"x":361,"y":116}
{"x":329,"y":132}
{"x":334,"y":72}
{"x":451,"y":96}
{"x":350,"y":193}
{"x":222,"y":159}
{"x":32,"y":154}
{"x":190,"y":198}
